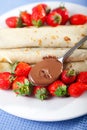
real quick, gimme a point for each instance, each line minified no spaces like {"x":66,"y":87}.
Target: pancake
{"x":61,"y":36}
{"x":34,"y":55}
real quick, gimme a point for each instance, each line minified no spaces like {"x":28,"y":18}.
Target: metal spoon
{"x":49,"y":69}
{"x":62,"y":59}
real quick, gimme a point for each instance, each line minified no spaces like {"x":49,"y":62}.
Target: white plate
{"x":55,"y":109}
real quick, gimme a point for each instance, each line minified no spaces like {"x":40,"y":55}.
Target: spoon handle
{"x":67,"y":54}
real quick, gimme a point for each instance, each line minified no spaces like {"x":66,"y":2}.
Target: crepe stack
{"x":32,"y":44}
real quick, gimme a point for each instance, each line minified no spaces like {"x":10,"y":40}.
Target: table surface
{"x":10,"y":122}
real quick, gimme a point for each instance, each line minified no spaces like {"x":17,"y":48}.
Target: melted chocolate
{"x":46,"y":71}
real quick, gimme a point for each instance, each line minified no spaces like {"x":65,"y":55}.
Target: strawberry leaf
{"x":57,"y":18}
{"x":71,"y":73}
{"x":13,"y":67}
{"x":61,"y":91}
{"x":37,"y":23}
{"x":24,"y":88}
{"x":41,"y":94}
{"x":48,"y":10}
{"x":19,"y":84}
{"x":26,"y":82}
{"x":20,"y":23}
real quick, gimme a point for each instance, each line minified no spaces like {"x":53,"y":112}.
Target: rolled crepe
{"x":5,"y":67}
{"x":77,"y":66}
{"x":61,"y":36}
{"x":34,"y":55}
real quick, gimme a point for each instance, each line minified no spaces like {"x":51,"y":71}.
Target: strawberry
{"x":82,"y":77}
{"x":6,"y":79}
{"x":68,"y":76}
{"x":53,"y":19}
{"x":26,"y":18}
{"x":40,"y":92}
{"x":21,"y":69}
{"x":58,"y":88}
{"x":63,"y":11}
{"x":45,"y":7}
{"x":38,"y":16}
{"x":77,"y":89}
{"x":78,"y":19}
{"x":14,"y":22}
{"x":22,"y":86}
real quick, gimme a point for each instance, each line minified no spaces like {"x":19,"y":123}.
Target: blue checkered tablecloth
{"x":10,"y":122}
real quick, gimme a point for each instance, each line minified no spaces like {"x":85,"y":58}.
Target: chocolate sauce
{"x":46,"y":71}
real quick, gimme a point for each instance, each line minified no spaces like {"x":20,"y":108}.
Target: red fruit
{"x":53,"y":19}
{"x":14,"y":22}
{"x":82,"y":77}
{"x":63,"y":12}
{"x":22,"y":86}
{"x":58,"y":88}
{"x":38,"y":15}
{"x":40,"y":92}
{"x":26,"y":18}
{"x":21,"y":69}
{"x":45,"y":6}
{"x":78,"y":19}
{"x":77,"y":89}
{"x":68,"y":76}
{"x":5,"y":80}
